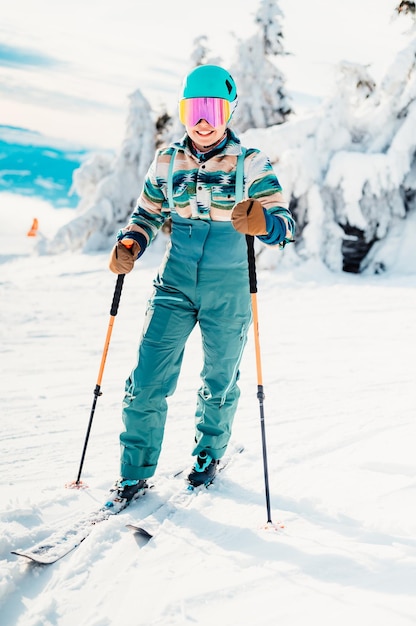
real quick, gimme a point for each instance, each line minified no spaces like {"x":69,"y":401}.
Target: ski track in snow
{"x":339,"y":377}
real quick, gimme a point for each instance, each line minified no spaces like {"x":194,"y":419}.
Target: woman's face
{"x":204,"y":135}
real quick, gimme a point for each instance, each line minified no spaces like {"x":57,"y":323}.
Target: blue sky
{"x":13,"y":56}
{"x":67,"y":67}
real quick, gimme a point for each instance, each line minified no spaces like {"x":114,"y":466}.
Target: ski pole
{"x":97,"y":391}
{"x":260,"y":389}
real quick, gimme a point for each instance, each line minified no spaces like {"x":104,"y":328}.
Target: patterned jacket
{"x":205,"y":189}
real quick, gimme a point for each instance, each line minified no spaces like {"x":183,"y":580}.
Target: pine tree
{"x":262,"y":98}
{"x":349,"y":169}
{"x":406,"y":7}
{"x":200,"y":55}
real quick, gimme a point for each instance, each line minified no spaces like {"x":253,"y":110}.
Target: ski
{"x":151,"y":524}
{"x":62,"y":542}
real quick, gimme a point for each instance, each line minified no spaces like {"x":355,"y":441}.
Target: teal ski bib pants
{"x":203,"y":280}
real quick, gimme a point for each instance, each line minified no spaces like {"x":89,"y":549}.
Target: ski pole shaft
{"x":97,"y":391}
{"x":260,"y":388}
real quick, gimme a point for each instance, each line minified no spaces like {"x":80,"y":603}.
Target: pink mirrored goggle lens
{"x":216,"y":111}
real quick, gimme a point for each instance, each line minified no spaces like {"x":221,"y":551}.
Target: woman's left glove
{"x":250,"y":218}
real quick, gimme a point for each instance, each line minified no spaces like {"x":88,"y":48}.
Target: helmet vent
{"x":229,"y":86}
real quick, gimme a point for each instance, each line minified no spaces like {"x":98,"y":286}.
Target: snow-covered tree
{"x":108,"y":188}
{"x":371,"y":186}
{"x":262,"y":97}
{"x":201,"y":53}
{"x":165,"y":123}
{"x":406,"y":7}
{"x":349,"y":169}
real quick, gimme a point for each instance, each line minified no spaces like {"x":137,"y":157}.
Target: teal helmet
{"x":209,"y":81}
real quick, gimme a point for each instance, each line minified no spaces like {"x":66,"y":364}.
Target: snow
{"x":338,"y":367}
{"x":337,"y":355}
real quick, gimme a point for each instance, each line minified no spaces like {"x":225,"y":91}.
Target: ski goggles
{"x":216,"y":111}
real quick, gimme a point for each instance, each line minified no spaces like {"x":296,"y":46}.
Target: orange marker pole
{"x":97,"y":391}
{"x":34,"y":228}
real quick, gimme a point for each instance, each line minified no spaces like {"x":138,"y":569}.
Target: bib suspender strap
{"x":170,"y":179}
{"x":239,"y":176}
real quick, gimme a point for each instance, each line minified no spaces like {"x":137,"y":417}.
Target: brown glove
{"x":123,"y":256}
{"x":248,"y":218}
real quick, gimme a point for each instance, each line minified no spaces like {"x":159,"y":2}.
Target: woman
{"x":196,"y":182}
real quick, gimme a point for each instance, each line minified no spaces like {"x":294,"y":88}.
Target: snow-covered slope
{"x":338,"y":366}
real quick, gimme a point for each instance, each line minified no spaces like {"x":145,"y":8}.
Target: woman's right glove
{"x":123,"y":256}
{"x":129,"y":247}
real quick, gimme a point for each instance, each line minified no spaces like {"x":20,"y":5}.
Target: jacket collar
{"x":232,"y":147}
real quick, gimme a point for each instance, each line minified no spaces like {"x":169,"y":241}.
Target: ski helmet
{"x":209,"y":81}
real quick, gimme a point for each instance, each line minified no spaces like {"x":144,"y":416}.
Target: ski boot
{"x":123,"y":492}
{"x":203,"y":471}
